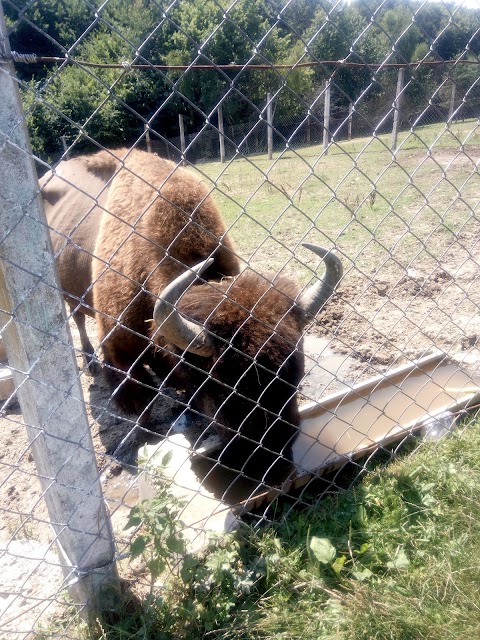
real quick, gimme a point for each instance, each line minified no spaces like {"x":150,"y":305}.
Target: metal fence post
{"x":350,"y":120}
{"x":39,"y":350}
{"x":451,"y":109}
{"x":147,"y":138}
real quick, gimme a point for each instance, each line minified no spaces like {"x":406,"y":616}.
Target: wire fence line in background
{"x":230,"y":348}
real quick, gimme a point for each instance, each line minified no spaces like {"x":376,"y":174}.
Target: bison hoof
{"x":92,"y":366}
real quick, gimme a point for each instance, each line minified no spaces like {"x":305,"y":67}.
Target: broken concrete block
{"x":7,"y":386}
{"x":203,"y":514}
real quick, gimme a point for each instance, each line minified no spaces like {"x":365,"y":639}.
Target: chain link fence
{"x":264,"y":217}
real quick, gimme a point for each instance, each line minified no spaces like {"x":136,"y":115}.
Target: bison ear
{"x":183,"y":333}
{"x":313,"y":299}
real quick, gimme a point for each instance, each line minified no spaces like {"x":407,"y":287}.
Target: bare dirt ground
{"x":374,"y":323}
{"x":384,"y":322}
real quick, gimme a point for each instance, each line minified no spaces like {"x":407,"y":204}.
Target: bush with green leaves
{"x":108,"y":105}
{"x":159,"y":529}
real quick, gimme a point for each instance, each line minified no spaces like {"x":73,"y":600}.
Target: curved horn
{"x":184,"y":333}
{"x":313,"y":299}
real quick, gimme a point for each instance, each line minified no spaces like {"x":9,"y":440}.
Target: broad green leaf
{"x":175,"y":545}
{"x":362,"y":574}
{"x":133,"y":521}
{"x":138,"y":546}
{"x":337,"y":566}
{"x":167,"y":459}
{"x":156,"y":566}
{"x":323,"y":550}
{"x":361,"y":514}
{"x":400,"y":561}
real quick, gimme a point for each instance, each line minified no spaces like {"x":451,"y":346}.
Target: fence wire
{"x":245,"y":135}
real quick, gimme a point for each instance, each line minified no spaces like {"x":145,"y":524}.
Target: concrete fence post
{"x":183,"y":145}
{"x":40,"y":353}
{"x":221,"y":133}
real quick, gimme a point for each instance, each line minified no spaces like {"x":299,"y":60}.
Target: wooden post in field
{"x":182,"y":139}
{"x":350,"y":120}
{"x":309,"y":130}
{"x":65,"y":147}
{"x":326,"y":116}
{"x":397,"y":106}
{"x":221,"y":133}
{"x":451,"y":109}
{"x":269,"y":126}
{"x":40,"y":352}
{"x":147,"y":138}
{"x":167,"y":147}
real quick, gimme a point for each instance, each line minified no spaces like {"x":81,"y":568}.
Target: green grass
{"x":407,"y":544}
{"x":395,"y":557}
{"x":372,"y":205}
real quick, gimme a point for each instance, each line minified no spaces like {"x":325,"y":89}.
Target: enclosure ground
{"x":403,"y":296}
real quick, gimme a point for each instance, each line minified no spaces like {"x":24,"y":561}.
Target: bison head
{"x":237,"y":350}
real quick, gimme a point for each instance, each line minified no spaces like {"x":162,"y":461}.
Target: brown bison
{"x":149,"y":216}
{"x":233,"y":342}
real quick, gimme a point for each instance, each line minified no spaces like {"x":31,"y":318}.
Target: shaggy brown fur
{"x":249,"y":384}
{"x":70,"y":197}
{"x":160,"y":218}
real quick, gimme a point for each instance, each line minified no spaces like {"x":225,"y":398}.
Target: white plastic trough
{"x":354,"y":422}
{"x":339,"y":428}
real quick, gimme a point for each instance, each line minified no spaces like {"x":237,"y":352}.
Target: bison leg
{"x":88,"y":351}
{"x":130,"y":385}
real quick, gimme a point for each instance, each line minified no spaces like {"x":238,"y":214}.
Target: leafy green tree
{"x":46,"y":29}
{"x":105,"y":104}
{"x":211,"y":32}
{"x":110,"y":105}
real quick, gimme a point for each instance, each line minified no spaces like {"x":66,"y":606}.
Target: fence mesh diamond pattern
{"x":264,"y":220}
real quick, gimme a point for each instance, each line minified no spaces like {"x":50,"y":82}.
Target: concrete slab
{"x":203,"y":514}
{"x":7,"y":386}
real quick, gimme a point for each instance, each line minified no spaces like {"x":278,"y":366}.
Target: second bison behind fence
{"x":132,"y":234}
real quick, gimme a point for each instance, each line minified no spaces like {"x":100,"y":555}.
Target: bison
{"x":237,"y":347}
{"x":232,"y":340}
{"x":184,"y":223}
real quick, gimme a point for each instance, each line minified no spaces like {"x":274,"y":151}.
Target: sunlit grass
{"x":406,"y":543}
{"x":359,"y":196}
{"x":394,"y":557}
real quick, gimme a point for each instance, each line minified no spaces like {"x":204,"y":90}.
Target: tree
{"x":46,"y":29}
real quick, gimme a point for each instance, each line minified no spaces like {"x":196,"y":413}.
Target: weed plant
{"x":395,"y":557}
